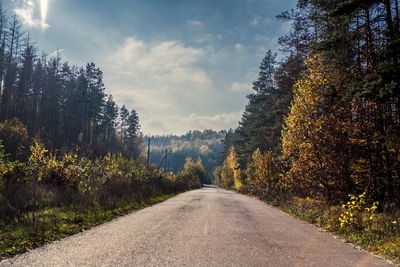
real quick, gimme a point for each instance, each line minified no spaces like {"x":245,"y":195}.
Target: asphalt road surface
{"x":205,"y":227}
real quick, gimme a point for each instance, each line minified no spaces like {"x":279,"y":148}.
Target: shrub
{"x":6,"y":167}
{"x":14,"y":135}
{"x":193,"y":173}
{"x":357,"y":214}
{"x":47,"y":180}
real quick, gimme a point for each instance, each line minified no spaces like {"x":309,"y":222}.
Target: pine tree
{"x":25,"y":85}
{"x":110,"y":114}
{"x":12,"y":44}
{"x":132,"y":132}
{"x":257,"y":124}
{"x":124,"y":122}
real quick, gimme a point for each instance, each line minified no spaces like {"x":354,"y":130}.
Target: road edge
{"x":334,"y":235}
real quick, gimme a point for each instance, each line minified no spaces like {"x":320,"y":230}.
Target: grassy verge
{"x":49,"y":225}
{"x":377,"y":242}
{"x":380,"y":236}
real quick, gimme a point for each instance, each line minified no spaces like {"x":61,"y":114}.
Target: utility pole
{"x":148,"y":152}
{"x":165,"y":163}
{"x":85,"y":102}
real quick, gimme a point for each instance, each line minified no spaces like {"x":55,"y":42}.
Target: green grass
{"x":21,"y":235}
{"x":382,"y":242}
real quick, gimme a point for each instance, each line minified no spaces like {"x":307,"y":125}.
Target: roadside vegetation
{"x":320,"y":135}
{"x":50,"y":196}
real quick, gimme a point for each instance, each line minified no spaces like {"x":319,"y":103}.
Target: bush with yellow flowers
{"x":357,"y":214}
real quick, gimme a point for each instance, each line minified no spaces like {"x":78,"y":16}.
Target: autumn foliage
{"x":48,"y":180}
{"x":230,"y":173}
{"x":316,"y":144}
{"x":330,"y":145}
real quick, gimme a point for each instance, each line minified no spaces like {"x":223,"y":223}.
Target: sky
{"x":181,"y":64}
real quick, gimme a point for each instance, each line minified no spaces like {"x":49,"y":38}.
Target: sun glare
{"x":43,"y":10}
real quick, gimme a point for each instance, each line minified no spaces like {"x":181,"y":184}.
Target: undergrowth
{"x":19,"y":236}
{"x":354,"y":220}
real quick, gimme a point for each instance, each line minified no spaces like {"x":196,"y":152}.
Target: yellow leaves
{"x":232,"y":158}
{"x":262,"y":171}
{"x":38,"y":162}
{"x":233,"y":164}
{"x":188,"y":163}
{"x":37,"y":153}
{"x":231,"y":173}
{"x":193,"y":173}
{"x":5,"y":165}
{"x":357,"y":213}
{"x":316,"y":128}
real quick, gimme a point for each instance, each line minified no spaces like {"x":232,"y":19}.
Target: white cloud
{"x":239,"y":47}
{"x":195,"y":23}
{"x":260,"y":21}
{"x":265,"y":41}
{"x":180,"y":124}
{"x":26,"y":10}
{"x":206,"y":38}
{"x":176,"y":87}
{"x":168,"y":63}
{"x":254,"y":22}
{"x":164,"y":82}
{"x":218,"y":121}
{"x":173,"y":86}
{"x":240,"y":87}
{"x":58,"y":52}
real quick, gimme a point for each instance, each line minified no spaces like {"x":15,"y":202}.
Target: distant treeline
{"x":63,"y":105}
{"x":205,"y":145}
{"x":325,"y":121}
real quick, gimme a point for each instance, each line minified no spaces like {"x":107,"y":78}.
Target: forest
{"x":205,"y":145}
{"x":65,"y":106}
{"x":320,"y":135}
{"x":70,"y":158}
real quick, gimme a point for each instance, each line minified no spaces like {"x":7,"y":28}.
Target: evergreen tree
{"x":258,"y":121}
{"x":132,"y":133}
{"x":65,"y":106}
{"x":123,"y":121}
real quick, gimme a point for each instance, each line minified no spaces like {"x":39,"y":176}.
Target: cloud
{"x":239,"y":47}
{"x":240,"y":87}
{"x":180,"y":124}
{"x":207,"y":38}
{"x":27,"y":11}
{"x":260,"y":21}
{"x":195,"y":23}
{"x":265,"y":41}
{"x":168,"y":63}
{"x":162,"y":80}
{"x":58,"y":52}
{"x":175,"y":87}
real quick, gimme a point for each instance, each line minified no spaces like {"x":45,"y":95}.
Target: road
{"x":205,"y":227}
